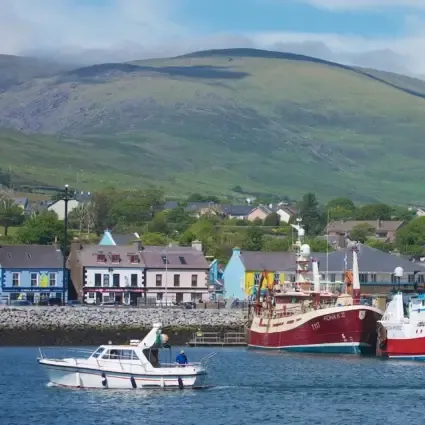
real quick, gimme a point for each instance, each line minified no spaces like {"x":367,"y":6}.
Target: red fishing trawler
{"x":304,"y":317}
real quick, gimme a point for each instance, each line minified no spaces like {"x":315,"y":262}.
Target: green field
{"x":210,"y":121}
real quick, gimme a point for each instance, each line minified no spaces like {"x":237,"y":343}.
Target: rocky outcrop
{"x":95,"y":325}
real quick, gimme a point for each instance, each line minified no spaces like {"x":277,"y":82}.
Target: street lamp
{"x":65,"y":243}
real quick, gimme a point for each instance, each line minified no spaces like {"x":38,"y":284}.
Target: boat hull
{"x":405,"y":348}
{"x":338,"y":330}
{"x":74,"y":377}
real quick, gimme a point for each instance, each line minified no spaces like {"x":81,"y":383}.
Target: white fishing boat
{"x":135,"y":365}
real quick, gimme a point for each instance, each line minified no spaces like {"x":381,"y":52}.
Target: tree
{"x":272,"y":220}
{"x":340,"y":208}
{"x":253,"y":240}
{"x":380,"y":244}
{"x":103,"y":202}
{"x":153,"y":239}
{"x":361,"y":232}
{"x":310,"y":213}
{"x":197,"y":197}
{"x":81,"y":217}
{"x":56,"y":196}
{"x":159,"y":223}
{"x":5,"y":178}
{"x":320,"y":245}
{"x":276,"y":244}
{"x":10,"y":214}
{"x":374,"y":212}
{"x":42,"y":229}
{"x":411,"y":237}
{"x":179,"y":220}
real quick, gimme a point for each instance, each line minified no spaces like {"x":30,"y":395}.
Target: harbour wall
{"x":86,"y":326}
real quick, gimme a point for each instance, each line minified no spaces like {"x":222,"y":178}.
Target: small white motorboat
{"x":126,"y":366}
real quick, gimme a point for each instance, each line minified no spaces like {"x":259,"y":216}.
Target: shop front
{"x":124,"y":296}
{"x":33,"y":295}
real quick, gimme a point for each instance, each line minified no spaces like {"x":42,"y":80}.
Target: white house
{"x":285,"y":213}
{"x":59,"y":206}
{"x":135,"y":274}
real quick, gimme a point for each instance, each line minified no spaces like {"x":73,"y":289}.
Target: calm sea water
{"x":248,"y":388}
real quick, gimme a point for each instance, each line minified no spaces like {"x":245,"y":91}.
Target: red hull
{"x":411,"y":347}
{"x":342,"y":330}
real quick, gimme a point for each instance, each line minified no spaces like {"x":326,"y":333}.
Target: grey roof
{"x":170,"y":205}
{"x":370,"y":260}
{"x":30,"y":257}
{"x":236,"y":210}
{"x":191,"y":258}
{"x":273,"y":261}
{"x":123,"y":239}
{"x":22,"y":202}
{"x":347,"y":226}
{"x":87,"y":256}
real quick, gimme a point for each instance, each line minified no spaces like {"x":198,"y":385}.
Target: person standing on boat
{"x":181,"y":359}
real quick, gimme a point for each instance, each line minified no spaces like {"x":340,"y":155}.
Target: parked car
{"x":21,"y":303}
{"x":55,"y":301}
{"x":74,"y":303}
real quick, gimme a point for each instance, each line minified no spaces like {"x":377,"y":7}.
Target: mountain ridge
{"x":221,"y":118}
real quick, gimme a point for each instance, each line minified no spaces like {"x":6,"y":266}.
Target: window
{"x":410,"y":278}
{"x":97,"y":279}
{"x":120,"y":354}
{"x":98,"y":352}
{"x":158,"y":280}
{"x":115,"y":258}
{"x":52,"y":279}
{"x":182,"y":260}
{"x":176,"y":280}
{"x":116,"y":280}
{"x":276,"y":277}
{"x":106,"y":280}
{"x":256,"y":278}
{"x":101,"y":258}
{"x":195,"y":280}
{"x":34,"y":279}
{"x":165,"y":260}
{"x":91,"y":295}
{"x":134,"y":259}
{"x":194,"y":296}
{"x":421,"y":278}
{"x":333,"y":277}
{"x":15,"y":279}
{"x":393,"y":278}
{"x":363,"y":277}
{"x":373,"y":277}
{"x":134,"y":280}
{"x":159,"y":296}
{"x":179,"y":298}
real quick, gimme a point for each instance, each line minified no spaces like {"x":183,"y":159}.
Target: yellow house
{"x":253,"y":278}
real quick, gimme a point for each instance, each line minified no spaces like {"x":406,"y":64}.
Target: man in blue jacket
{"x":181,"y":358}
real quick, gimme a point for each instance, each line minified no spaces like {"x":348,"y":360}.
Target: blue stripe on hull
{"x":322,"y":348}
{"x":420,"y":358}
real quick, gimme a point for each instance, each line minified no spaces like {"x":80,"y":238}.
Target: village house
{"x":110,"y":238}
{"x":31,"y":272}
{"x":133,"y":274}
{"x":59,"y":206}
{"x":339,"y":231}
{"x":376,"y":269}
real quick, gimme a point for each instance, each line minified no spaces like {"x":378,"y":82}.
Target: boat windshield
{"x":98,"y":352}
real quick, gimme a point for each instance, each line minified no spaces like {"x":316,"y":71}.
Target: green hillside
{"x":269,"y":122}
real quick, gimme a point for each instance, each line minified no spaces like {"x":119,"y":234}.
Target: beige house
{"x":384,"y":229}
{"x":260,"y":212}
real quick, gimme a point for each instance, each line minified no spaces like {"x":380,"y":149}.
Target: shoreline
{"x":61,"y":337}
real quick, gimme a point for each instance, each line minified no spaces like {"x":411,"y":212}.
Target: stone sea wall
{"x":37,"y":326}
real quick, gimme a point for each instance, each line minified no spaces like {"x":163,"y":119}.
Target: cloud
{"x":122,"y":30}
{"x":364,"y":4}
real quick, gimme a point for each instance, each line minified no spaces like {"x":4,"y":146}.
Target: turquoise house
{"x":114,"y":239}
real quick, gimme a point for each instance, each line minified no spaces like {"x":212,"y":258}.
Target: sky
{"x":382,"y":34}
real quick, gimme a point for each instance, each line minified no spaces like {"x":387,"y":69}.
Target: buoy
{"x":104,"y":380}
{"x":180,"y":381}
{"x":133,"y":382}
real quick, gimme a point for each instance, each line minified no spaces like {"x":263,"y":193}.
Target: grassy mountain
{"x":267,"y":121}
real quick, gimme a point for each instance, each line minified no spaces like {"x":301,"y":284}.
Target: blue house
{"x":32,"y":272}
{"x":215,"y":281}
{"x":113,"y":239}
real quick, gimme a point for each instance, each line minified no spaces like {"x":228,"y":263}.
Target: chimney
{"x":76,"y":245}
{"x":197,"y":245}
{"x":55,"y":243}
{"x":139,"y":245}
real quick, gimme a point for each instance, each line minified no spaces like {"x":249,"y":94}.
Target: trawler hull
{"x":340,"y":330}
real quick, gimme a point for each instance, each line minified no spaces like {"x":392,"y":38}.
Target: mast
{"x":316,"y":280}
{"x":356,"y":277}
{"x":302,"y":252}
